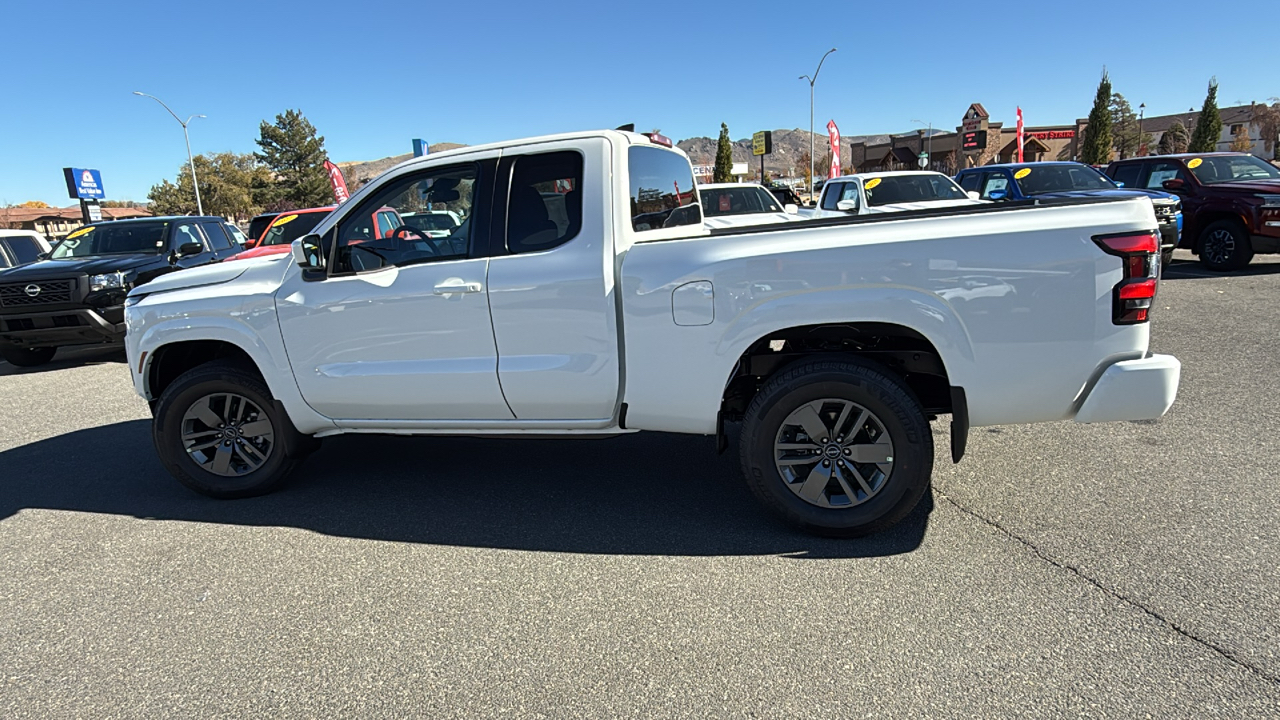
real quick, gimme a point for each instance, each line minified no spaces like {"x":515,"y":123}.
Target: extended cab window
{"x":662,"y":192}
{"x":1128,"y":174}
{"x":375,"y":236}
{"x":217,"y":236}
{"x":545,"y":206}
{"x":969,"y":182}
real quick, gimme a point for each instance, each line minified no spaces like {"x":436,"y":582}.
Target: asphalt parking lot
{"x":1121,"y":570}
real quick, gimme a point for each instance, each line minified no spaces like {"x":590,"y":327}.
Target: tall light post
{"x":813,"y":80}
{"x":1142,"y":109}
{"x":930,"y":124}
{"x":190,"y":161}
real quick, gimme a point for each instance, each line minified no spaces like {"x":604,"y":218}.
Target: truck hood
{"x":1118,"y":193}
{"x":88,"y":265}
{"x":195,"y":277}
{"x":901,"y":207}
{"x":1247,"y":187}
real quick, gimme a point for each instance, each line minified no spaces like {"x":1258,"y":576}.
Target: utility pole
{"x":813,"y":80}
{"x":1142,"y":109}
{"x":191,"y":163}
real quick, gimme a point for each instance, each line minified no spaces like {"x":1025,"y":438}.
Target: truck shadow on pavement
{"x":648,"y":494}
{"x":69,"y":358}
{"x":1193,"y":270}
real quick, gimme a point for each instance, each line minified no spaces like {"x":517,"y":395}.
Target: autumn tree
{"x":1175,"y":139}
{"x":723,"y":171}
{"x":229,"y":184}
{"x":1209,"y":125}
{"x":1267,"y":118}
{"x":1240,"y":140}
{"x":34,"y":204}
{"x":295,"y":155}
{"x":1097,"y":146}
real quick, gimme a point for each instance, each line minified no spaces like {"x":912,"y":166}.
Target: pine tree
{"x":1174,"y":140}
{"x":1097,"y":135}
{"x":295,"y":155}
{"x":724,"y":157}
{"x":1209,"y":125}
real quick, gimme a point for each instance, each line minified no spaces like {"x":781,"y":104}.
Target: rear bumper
{"x":80,"y":326}
{"x":1132,"y":390}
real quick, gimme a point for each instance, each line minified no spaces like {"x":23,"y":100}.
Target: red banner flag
{"x":1020,"y":134}
{"x":338,"y":182}
{"x":834,"y":133}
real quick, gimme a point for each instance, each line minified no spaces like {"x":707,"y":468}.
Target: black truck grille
{"x":42,"y":292}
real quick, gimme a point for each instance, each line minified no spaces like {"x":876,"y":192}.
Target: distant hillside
{"x":360,"y":172}
{"x":789,"y":146}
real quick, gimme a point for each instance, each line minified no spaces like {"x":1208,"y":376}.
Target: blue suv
{"x":1024,"y":181}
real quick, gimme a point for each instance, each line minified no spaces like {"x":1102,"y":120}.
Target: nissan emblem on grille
{"x":32,"y":290}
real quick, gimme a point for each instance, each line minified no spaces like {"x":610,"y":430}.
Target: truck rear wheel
{"x":1224,"y":245}
{"x":839,"y":447}
{"x":27,"y":357}
{"x":219,"y":432}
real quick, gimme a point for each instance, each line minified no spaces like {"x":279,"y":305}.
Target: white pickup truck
{"x":583,"y":296}
{"x":893,"y":191}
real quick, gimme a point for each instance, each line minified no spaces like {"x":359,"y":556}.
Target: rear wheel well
{"x":1204,"y":220}
{"x":169,"y":362}
{"x":900,"y":350}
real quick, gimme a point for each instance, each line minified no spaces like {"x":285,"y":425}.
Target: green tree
{"x":1209,"y":125}
{"x":1097,"y":146}
{"x":295,"y":155}
{"x":1175,"y":139}
{"x":228,"y":185}
{"x":724,"y":157}
{"x":1128,"y":132}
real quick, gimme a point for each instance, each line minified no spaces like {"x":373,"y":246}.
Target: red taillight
{"x":1140,"y":260}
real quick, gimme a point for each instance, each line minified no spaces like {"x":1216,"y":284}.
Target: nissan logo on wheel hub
{"x":32,"y":290}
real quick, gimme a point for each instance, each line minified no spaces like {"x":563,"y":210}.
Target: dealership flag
{"x":834,"y":132}
{"x":338,"y":182}
{"x":1019,"y":134}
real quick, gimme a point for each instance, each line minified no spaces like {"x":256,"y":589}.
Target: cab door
{"x":398,"y":327}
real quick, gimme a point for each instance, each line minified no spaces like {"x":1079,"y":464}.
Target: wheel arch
{"x":1205,"y":218}
{"x":168,"y":362}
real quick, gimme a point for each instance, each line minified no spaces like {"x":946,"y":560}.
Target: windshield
{"x":290,"y":227}
{"x":911,"y":188}
{"x":432,"y":221}
{"x":1042,"y":179}
{"x":1231,"y":168}
{"x":113,"y":239}
{"x":737,"y":201}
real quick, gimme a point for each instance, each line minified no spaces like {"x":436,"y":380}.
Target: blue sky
{"x":373,"y":75}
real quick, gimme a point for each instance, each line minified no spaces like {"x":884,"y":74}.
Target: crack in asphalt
{"x":1175,"y":627}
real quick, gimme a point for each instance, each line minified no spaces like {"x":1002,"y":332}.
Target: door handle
{"x":456,"y":285}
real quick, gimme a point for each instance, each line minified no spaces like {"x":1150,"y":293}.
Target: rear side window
{"x":969,"y":182}
{"x":184,"y":234}
{"x":1161,"y":171}
{"x":545,"y":207}
{"x":387,"y":222}
{"x":217,"y":236}
{"x":290,"y":227}
{"x":24,"y":249}
{"x":996,"y":181}
{"x":662,"y":192}
{"x":1127,"y":174}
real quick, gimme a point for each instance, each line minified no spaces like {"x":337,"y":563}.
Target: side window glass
{"x":970,"y":182}
{"x":831,"y":193}
{"x":184,"y":234}
{"x":662,"y":191}
{"x":545,"y":206}
{"x":375,"y":236}
{"x":217,"y":238}
{"x":236,"y":235}
{"x":24,"y":249}
{"x":1128,"y":174}
{"x":995,"y":181}
{"x":1160,"y":172}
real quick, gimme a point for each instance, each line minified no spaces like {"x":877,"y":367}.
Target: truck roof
{"x":629,"y":138}
{"x":886,"y":173}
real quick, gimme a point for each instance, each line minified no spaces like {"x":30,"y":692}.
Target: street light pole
{"x":813,"y":80}
{"x":1142,"y":109}
{"x":191,"y":163}
{"x":930,"y":150}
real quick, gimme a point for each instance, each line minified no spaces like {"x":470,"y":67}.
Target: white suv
{"x":20,"y":247}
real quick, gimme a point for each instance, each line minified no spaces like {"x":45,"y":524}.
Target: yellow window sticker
{"x":78,"y":233}
{"x":283,"y":220}
{"x":872,"y":183}
{"x":1022,"y":173}
{"x":1194,"y":163}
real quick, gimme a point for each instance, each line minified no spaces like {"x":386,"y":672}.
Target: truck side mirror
{"x":847,"y":205}
{"x":791,"y":209}
{"x":973,"y":195}
{"x":1174,"y":185}
{"x":308,"y":252}
{"x":190,"y":248}
{"x":998,"y":194}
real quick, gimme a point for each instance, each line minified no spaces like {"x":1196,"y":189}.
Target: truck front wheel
{"x":838,"y":447}
{"x":27,"y":357}
{"x":1224,"y":245}
{"x":218,"y":432}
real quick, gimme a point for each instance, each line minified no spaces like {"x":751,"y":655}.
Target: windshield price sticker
{"x":871,"y":183}
{"x":1194,"y":163}
{"x":283,"y":220}
{"x":78,"y":233}
{"x":1022,"y":173}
